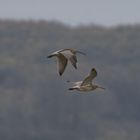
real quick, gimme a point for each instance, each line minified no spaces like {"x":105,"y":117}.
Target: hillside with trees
{"x":35,"y":102}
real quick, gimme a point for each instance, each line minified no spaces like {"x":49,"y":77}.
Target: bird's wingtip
{"x":75,"y":67}
{"x":71,"y":89}
{"x":60,"y":73}
{"x":49,"y":56}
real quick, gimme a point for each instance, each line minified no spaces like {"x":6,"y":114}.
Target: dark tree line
{"x":34,"y":100}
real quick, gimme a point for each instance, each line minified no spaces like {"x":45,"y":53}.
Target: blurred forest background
{"x":35,"y":103}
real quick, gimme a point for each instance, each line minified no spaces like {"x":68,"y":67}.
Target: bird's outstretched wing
{"x":70,"y":55}
{"x":90,"y":77}
{"x":73,"y":61}
{"x":62,"y":63}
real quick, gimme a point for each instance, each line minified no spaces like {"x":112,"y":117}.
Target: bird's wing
{"x":89,"y":78}
{"x":73,"y":61}
{"x":62,"y":63}
{"x":66,"y":52}
{"x":53,"y":54}
{"x":70,"y":56}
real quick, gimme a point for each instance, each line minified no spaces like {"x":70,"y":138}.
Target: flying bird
{"x":64,"y":56}
{"x":86,"y":84}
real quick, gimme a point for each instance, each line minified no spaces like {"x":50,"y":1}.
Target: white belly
{"x":85,"y":88}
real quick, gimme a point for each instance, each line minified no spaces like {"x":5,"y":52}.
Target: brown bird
{"x":86,"y":84}
{"x":63,"y":57}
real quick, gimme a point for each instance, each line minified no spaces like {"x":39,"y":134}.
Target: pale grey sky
{"x":73,"y":12}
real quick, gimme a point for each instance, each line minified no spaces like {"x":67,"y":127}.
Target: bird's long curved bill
{"x":81,"y":52}
{"x":101,"y":87}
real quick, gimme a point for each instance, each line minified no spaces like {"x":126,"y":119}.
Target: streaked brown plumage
{"x":86,"y":84}
{"x":63,"y":57}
